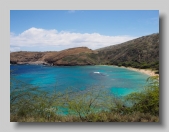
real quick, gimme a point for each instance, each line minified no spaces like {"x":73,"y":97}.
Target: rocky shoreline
{"x":34,"y":63}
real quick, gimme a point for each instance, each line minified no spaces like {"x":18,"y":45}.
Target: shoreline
{"x":33,"y":63}
{"x":144,"y":71}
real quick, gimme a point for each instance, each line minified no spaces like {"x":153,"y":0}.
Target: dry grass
{"x":95,"y":117}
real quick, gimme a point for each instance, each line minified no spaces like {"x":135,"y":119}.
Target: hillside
{"x":68,"y":57}
{"x":142,"y":52}
{"x":72,"y":56}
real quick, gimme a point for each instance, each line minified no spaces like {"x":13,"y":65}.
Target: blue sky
{"x":44,"y":30}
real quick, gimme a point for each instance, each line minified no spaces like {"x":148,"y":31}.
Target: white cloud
{"x":34,"y":37}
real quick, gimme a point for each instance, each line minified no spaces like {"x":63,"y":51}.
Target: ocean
{"x":116,"y":80}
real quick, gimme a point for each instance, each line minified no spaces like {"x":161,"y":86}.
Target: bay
{"x":117,"y":80}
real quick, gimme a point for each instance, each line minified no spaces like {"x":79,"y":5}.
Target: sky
{"x":55,"y":30}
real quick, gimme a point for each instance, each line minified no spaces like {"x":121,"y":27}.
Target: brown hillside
{"x":24,"y":56}
{"x":72,"y":56}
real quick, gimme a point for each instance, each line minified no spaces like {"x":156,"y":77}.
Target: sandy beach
{"x":145,"y":71}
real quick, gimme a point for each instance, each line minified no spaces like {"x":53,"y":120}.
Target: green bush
{"x":146,"y":101}
{"x":29,"y":104}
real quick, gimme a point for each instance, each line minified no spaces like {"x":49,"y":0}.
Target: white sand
{"x":145,"y":71}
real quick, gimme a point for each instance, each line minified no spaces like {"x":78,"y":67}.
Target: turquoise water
{"x":116,"y":80}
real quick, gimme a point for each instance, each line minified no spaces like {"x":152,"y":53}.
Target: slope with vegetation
{"x":29,"y":104}
{"x":142,"y":52}
{"x":71,"y":57}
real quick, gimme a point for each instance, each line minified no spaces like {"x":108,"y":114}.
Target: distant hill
{"x":68,"y":57}
{"x":73,"y":56}
{"x":142,"y":52}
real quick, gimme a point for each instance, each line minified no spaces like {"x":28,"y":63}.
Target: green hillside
{"x":142,"y":52}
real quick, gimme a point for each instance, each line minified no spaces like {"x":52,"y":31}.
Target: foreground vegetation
{"x":30,"y":104}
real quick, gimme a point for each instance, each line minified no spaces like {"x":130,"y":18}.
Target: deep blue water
{"x":119,"y":81}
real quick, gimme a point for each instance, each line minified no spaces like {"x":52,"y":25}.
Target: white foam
{"x":97,"y":72}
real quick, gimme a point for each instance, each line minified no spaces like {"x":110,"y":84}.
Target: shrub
{"x":29,"y":104}
{"x":146,"y":101}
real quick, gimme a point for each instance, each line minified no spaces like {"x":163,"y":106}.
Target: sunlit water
{"x":119,"y":81}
